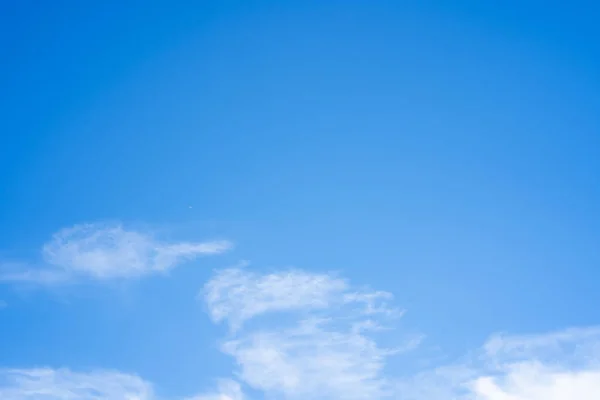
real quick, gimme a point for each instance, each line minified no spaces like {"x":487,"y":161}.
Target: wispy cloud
{"x":65,"y":384}
{"x":236,"y":295}
{"x":227,"y":390}
{"x":296,"y":335}
{"x":324,"y":345}
{"x":320,"y":342}
{"x":562,"y":365}
{"x":61,"y":384}
{"x":504,"y":347}
{"x":107,"y":251}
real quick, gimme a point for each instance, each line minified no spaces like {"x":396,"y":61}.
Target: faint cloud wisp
{"x":60,"y":384}
{"x":108,"y":251}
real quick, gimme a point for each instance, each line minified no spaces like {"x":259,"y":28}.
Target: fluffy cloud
{"x":556,"y":366}
{"x":108,"y":251}
{"x":63,"y":384}
{"x":561,"y":365}
{"x":534,"y":381}
{"x":324,"y":345}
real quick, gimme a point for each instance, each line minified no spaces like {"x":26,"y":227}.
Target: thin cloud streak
{"x":105,"y":252}
{"x":60,"y":384}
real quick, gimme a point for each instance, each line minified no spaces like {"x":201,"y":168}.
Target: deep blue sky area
{"x":445,"y":151}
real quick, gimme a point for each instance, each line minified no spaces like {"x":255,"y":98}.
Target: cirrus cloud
{"x":320,"y":342}
{"x":295,"y":334}
{"x":64,"y":384}
{"x":107,"y":251}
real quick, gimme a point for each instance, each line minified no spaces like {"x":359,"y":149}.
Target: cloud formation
{"x":556,"y":366}
{"x":296,"y":335}
{"x":321,"y":343}
{"x":324,"y":345}
{"x":235,"y":295}
{"x":108,"y":251}
{"x":562,"y":365}
{"x":64,"y":384}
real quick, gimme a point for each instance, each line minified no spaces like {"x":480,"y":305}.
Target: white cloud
{"x":227,"y":390}
{"x":236,"y":295}
{"x":535,"y":381}
{"x":322,"y":345}
{"x":311,"y":361}
{"x":108,"y":251}
{"x":322,"y":348}
{"x":322,"y":339}
{"x":562,"y":365}
{"x":567,"y":343}
{"x":63,"y":384}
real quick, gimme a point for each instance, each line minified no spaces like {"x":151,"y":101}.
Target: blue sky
{"x":254,"y":200}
